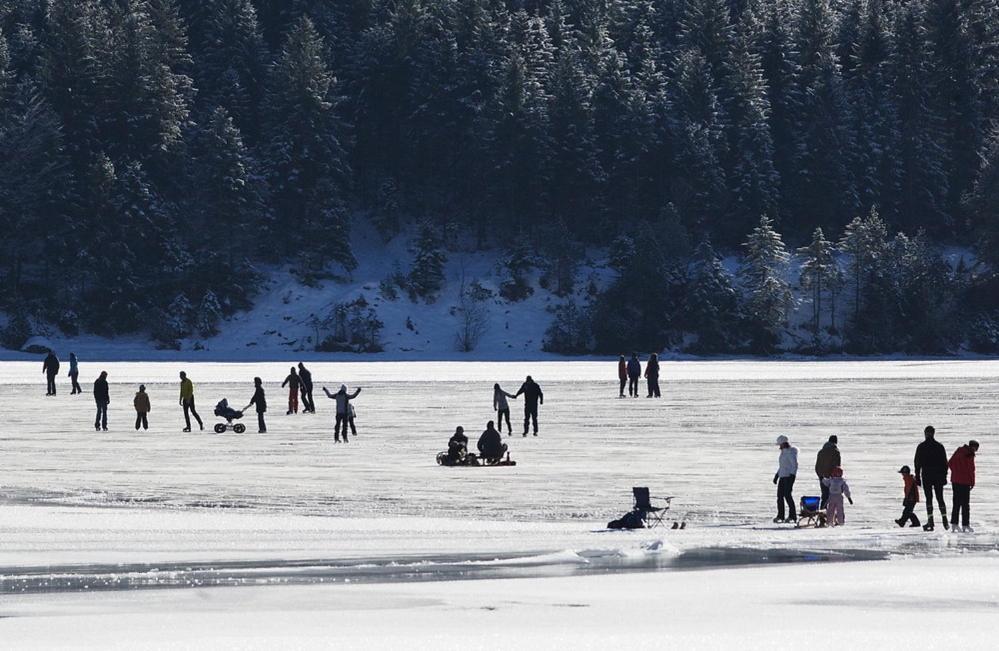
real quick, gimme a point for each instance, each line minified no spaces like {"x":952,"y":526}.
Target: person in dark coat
{"x":622,"y":374}
{"x":260,"y":400}
{"x":142,"y":408}
{"x":50,"y":367}
{"x":309,"y":407}
{"x":187,"y":402}
{"x":74,"y":374}
{"x":102,"y":396}
{"x":292,"y":382}
{"x":962,"y":480}
{"x":634,"y":373}
{"x":457,"y":445}
{"x":652,"y":376}
{"x":491,"y":445}
{"x":532,"y":397}
{"x":827,"y":459}
{"x":931,"y":472}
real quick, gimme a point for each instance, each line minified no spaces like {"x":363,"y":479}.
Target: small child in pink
{"x":837,"y":489}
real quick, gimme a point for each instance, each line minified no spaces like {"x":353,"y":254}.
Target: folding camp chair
{"x":651,"y":515}
{"x":810,"y":513}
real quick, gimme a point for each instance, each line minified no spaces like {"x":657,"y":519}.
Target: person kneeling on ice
{"x":491,"y":445}
{"x":457,"y":446}
{"x":787,"y":468}
{"x":837,"y":489}
{"x":910,"y":498}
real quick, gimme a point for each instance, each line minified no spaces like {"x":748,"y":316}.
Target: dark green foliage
{"x":349,"y":327}
{"x":426,"y":276}
{"x":571,"y":330}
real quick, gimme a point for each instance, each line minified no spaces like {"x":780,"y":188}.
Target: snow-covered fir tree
{"x":764,"y":278}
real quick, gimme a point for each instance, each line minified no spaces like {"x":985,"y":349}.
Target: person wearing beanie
{"x":910,"y":498}
{"x":787,"y":469}
{"x":343,"y":411}
{"x":962,"y":479}
{"x":260,"y":400}
{"x":142,"y":408}
{"x":827,"y":459}
{"x":835,"y":515}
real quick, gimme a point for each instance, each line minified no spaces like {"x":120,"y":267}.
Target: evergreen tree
{"x":309,"y":169}
{"x":819,"y":271}
{"x":864,"y":243}
{"x":713,"y":308}
{"x":764,"y":276}
{"x":426,"y":277}
{"x":983,"y":203}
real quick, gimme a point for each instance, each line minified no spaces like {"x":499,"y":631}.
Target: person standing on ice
{"x":187,"y":402}
{"x":343,"y":417}
{"x":292,"y":382}
{"x":50,"y":367}
{"x":532,"y":397}
{"x":142,"y":408}
{"x":502,"y":408}
{"x":787,"y":469}
{"x":962,"y":480}
{"x":931,"y":473}
{"x":622,"y":374}
{"x":910,"y":498}
{"x":652,"y":376}
{"x":837,"y":489}
{"x":634,"y":373}
{"x":74,"y":374}
{"x":102,"y":396}
{"x":260,"y":400}
{"x":827,"y":459}
{"x":308,"y":406}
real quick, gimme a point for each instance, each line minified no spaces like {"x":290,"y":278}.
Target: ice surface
{"x":87,"y":511}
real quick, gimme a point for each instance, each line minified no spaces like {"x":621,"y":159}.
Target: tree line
{"x":154,"y":153}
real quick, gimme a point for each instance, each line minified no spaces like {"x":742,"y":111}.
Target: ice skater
{"x":838,"y":488}
{"x":532,"y":397}
{"x":292,"y":382}
{"x":652,"y":376}
{"x":931,"y":473}
{"x":910,"y":498}
{"x":142,"y":408}
{"x":502,"y":408}
{"x":343,"y":411}
{"x":74,"y":374}
{"x":50,"y":368}
{"x":787,"y":469}
{"x":491,"y":446}
{"x":622,"y":374}
{"x":827,"y":459}
{"x":187,"y":402}
{"x":102,"y":396}
{"x":259,"y":399}
{"x":634,"y":373}
{"x":962,"y":480}
{"x":305,"y":376}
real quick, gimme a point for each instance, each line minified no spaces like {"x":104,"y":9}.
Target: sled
{"x":443,"y":459}
{"x":809,"y":512}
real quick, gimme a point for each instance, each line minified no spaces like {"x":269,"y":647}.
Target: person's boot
{"x":900,"y":522}
{"x":943,"y":514}
{"x":929,"y":524}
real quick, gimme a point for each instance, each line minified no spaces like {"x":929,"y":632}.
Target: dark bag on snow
{"x":630,"y":520}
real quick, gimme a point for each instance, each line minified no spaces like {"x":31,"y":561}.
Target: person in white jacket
{"x":787,"y":469}
{"x":837,"y":489}
{"x":344,"y":414}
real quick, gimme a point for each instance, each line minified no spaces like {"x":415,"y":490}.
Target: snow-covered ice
{"x":84,"y":515}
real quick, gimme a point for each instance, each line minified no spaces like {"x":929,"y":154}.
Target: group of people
{"x":299,"y":382}
{"x":490,"y":446}
{"x":533,"y":396}
{"x":931,"y":469}
{"x":629,"y":372}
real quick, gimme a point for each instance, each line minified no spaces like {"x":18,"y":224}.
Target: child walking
{"x":142,"y":408}
{"x":837,"y":489}
{"x":910,"y":498}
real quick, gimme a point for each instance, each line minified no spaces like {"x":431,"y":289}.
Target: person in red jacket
{"x":962,"y":478}
{"x":910,"y":498}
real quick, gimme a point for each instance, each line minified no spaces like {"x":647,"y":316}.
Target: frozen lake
{"x":82,"y":511}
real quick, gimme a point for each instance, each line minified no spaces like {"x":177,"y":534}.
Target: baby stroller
{"x":223,"y":410}
{"x":811,"y":514}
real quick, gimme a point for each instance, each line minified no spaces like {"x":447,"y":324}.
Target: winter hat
{"x":973,"y":444}
{"x":781,"y":440}
{"x":904,"y":470}
{"x":834,"y":439}
{"x":343,"y":388}
{"x":142,"y":387}
{"x":837,"y":472}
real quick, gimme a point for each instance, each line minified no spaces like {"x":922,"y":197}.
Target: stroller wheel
{"x":239,"y":428}
{"x":219,"y":428}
